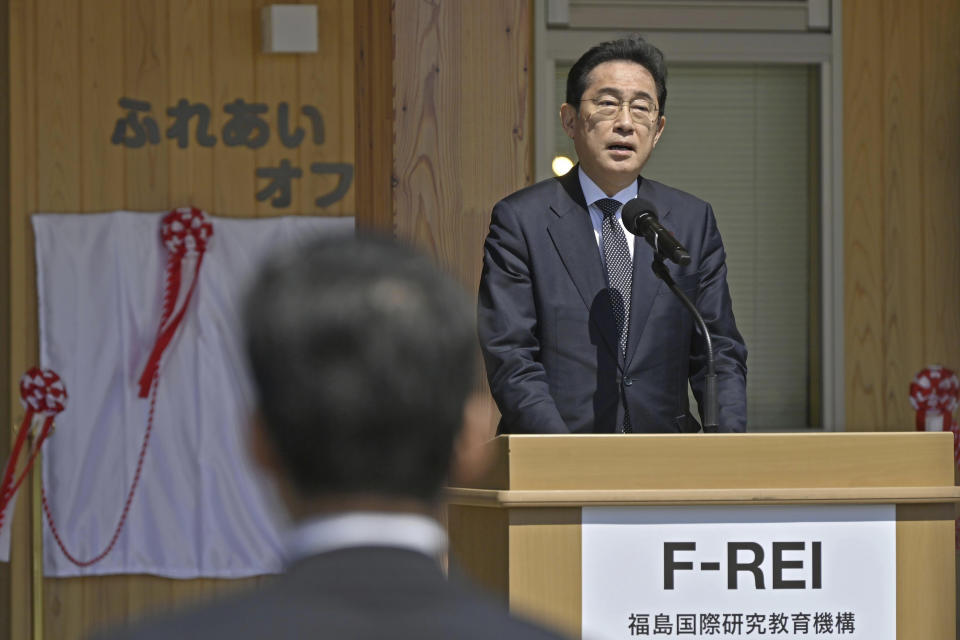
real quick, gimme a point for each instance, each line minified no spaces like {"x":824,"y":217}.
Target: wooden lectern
{"x":518,"y":532}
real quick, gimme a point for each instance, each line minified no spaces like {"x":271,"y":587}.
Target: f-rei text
{"x":800,"y":560}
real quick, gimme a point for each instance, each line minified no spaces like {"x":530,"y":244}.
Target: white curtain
{"x":200,"y":509}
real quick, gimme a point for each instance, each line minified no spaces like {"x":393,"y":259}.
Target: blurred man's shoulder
{"x":357,"y":593}
{"x":334,"y":617}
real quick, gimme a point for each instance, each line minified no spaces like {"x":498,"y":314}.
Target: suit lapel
{"x":572,"y":234}
{"x":645,"y":284}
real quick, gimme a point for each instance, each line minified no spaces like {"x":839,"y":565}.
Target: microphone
{"x":640,"y":219}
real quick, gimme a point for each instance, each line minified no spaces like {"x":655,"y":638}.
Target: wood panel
{"x":902,"y":254}
{"x":101,"y":85}
{"x":460,"y":144}
{"x":901,"y":197}
{"x":863,"y":203}
{"x":462,"y":127}
{"x":58,"y":171}
{"x":146,"y":78}
{"x":374,"y":41}
{"x":427,"y":161}
{"x":232,"y":54}
{"x":720,"y":461}
{"x":5,"y":417}
{"x":939,"y":56}
{"x":496,"y":155}
{"x":4,"y":216}
{"x":67,"y":64}
{"x":23,"y":339}
{"x":104,"y":600}
{"x":58,"y":93}
{"x":479,"y":546}
{"x":686,"y":497}
{"x":190,"y":169}
{"x":327,"y":83}
{"x":545,"y":567}
{"x":276,"y":79}
{"x":926,"y":587}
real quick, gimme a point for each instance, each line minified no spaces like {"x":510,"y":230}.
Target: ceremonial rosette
{"x":43,"y":395}
{"x":935,"y":395}
{"x":42,"y":391}
{"x":185,"y":233}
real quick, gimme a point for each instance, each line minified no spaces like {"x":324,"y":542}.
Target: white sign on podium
{"x":739,"y":572}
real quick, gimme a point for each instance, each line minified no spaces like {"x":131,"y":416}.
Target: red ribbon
{"x":185,"y":232}
{"x":41,"y":393}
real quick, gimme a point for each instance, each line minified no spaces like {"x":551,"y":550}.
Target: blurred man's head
{"x":363,"y":356}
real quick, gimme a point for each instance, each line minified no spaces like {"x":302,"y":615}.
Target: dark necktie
{"x":619,"y":268}
{"x":619,"y":278}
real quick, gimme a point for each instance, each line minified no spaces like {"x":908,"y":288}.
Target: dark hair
{"x":632,"y":48}
{"x":363,"y":355}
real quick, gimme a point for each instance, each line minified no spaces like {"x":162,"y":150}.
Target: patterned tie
{"x":619,"y":277}
{"x":619,"y":267}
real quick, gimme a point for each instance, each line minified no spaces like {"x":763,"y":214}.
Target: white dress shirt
{"x":592,"y":193}
{"x":365,"y":529}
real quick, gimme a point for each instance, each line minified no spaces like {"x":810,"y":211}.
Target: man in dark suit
{"x":363,"y":356}
{"x":578,"y":335}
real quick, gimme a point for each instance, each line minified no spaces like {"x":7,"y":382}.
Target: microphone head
{"x":635,"y":210}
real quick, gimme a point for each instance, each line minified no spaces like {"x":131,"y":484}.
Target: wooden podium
{"x":518,"y":532}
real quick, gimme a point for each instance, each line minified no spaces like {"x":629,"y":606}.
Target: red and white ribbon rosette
{"x":935,"y":395}
{"x":185,"y":233}
{"x":43,"y":395}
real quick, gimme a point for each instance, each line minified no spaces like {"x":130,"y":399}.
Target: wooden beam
{"x":374,"y":180}
{"x":5,"y":417}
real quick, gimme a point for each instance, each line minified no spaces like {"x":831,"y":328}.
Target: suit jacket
{"x":548,"y":332}
{"x":360,"y":592}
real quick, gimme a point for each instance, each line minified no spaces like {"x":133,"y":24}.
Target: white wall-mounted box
{"x":289,"y":28}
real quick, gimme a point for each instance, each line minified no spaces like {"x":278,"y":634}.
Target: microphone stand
{"x":710,"y":401}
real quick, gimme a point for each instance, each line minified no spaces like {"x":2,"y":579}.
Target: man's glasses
{"x":642,"y":111}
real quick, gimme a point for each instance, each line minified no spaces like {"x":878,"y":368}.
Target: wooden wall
{"x":462,"y":128}
{"x":374,"y":41}
{"x":5,"y":417}
{"x":69,"y":63}
{"x":901,"y":68}
{"x":463,"y":101}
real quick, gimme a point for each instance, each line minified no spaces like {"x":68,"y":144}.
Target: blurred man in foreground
{"x":363,"y":358}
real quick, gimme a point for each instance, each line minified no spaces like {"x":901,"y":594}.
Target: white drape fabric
{"x":201,"y":510}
